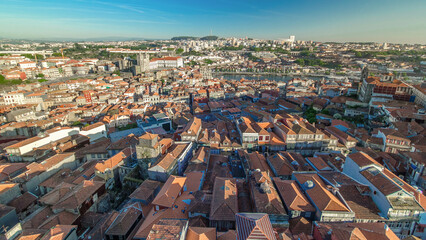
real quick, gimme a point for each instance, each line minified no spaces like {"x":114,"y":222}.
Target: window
{"x":99,"y":155}
{"x":93,"y":155}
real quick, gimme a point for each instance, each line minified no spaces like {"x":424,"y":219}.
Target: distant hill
{"x":184,"y":38}
{"x":209,"y":38}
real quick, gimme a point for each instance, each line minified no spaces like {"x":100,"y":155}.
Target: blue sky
{"x":321,"y":20}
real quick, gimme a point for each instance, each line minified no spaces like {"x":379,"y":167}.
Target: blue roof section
{"x":254,"y":216}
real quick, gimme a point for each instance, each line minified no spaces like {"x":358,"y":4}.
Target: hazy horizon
{"x":391,"y":21}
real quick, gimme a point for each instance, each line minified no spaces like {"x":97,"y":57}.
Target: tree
{"x":311,"y":114}
{"x":208,"y":61}
{"x":116,"y":72}
{"x":209,"y":38}
{"x":300,"y":62}
{"x":358,"y":54}
{"x":31,"y":56}
{"x":179,"y":51}
{"x":305,"y":53}
{"x":57,"y":54}
{"x":77,"y":46}
{"x":40,"y":75}
{"x":76,"y":123}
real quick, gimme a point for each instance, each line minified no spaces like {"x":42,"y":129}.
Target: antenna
{"x":4,"y":228}
{"x":211,"y":32}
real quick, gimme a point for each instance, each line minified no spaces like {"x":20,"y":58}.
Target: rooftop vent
{"x":309,"y":184}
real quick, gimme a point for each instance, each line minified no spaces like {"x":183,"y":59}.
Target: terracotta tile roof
{"x":58,"y":177}
{"x":59,"y":232}
{"x":64,"y":217}
{"x":170,"y":191}
{"x":300,"y":225}
{"x":146,"y":190}
{"x":322,"y":197}
{"x":264,"y":195}
{"x":192,"y":127}
{"x":55,"y":160}
{"x":362,"y":159}
{"x":99,"y":146}
{"x":292,"y":195}
{"x":154,"y":217}
{"x":225,"y":201}
{"x":23,"y":202}
{"x":194,"y":180}
{"x":280,"y":165}
{"x":362,"y":205}
{"x":35,"y":219}
{"x":201,"y":202}
{"x":420,"y":198}
{"x":99,"y":225}
{"x":149,"y":136}
{"x":56,"y":194}
{"x":257,"y":161}
{"x":24,"y":142}
{"x":167,"y":229}
{"x":362,"y":231}
{"x":114,"y":161}
{"x":380,"y":181}
{"x":79,"y":195}
{"x":298,"y":162}
{"x":167,"y":161}
{"x":93,"y":126}
{"x":4,"y":187}
{"x":130,"y":140}
{"x":201,"y":155}
{"x":127,"y":217}
{"x":31,"y":234}
{"x":201,"y":233}
{"x":254,"y":226}
{"x":229,"y":235}
{"x":319,"y":163}
{"x":8,"y":169}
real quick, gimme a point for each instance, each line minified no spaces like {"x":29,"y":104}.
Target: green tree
{"x":78,"y":46}
{"x":31,"y":56}
{"x":179,"y":51}
{"x":76,"y":123}
{"x":116,"y":72}
{"x":300,"y":62}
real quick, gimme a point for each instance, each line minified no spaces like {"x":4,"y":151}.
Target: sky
{"x":393,"y":21}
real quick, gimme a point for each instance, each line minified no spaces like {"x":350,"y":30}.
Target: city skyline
{"x":340,"y":21}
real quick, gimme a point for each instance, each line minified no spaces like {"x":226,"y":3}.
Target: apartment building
{"x":399,"y":202}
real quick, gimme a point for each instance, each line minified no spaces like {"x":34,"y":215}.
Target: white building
{"x":397,"y":201}
{"x":14,"y":98}
{"x":16,"y":150}
{"x":166,"y":62}
{"x":95,"y":131}
{"x":27,"y":64}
